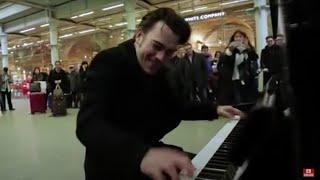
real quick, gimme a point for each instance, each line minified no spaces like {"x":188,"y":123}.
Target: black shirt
{"x":126,"y":111}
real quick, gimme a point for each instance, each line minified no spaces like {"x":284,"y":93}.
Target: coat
{"x":196,"y":75}
{"x":126,"y":111}
{"x":62,"y":75}
{"x":247,"y":72}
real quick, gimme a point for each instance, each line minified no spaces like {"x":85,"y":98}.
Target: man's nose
{"x":160,"y":56}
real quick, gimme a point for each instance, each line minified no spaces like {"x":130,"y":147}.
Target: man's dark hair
{"x":175,"y":22}
{"x":204,"y":47}
{"x":5,"y":69}
{"x":84,"y":62}
{"x":269,"y":37}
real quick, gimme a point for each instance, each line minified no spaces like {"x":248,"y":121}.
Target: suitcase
{"x":68,"y":98}
{"x":59,"y":107}
{"x":37,"y":102}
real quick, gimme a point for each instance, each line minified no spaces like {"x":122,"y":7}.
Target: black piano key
{"x":211,"y":173}
{"x":219,"y":166}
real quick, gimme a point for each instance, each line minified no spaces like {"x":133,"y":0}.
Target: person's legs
{"x":77,"y":98}
{"x":3,"y":95}
{"x":8,"y":93}
{"x":1,"y":101}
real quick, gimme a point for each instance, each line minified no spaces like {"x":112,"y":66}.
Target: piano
{"x":212,"y":162}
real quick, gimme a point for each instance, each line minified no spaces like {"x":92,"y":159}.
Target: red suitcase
{"x":37,"y":102}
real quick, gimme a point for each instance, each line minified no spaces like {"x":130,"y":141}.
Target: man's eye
{"x":157,"y":47}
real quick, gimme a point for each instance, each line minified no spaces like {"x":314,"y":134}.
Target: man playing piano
{"x":133,"y":99}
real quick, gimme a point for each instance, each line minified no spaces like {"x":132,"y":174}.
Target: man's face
{"x":189,"y":50}
{"x":279,"y":41}
{"x":205,"y":50}
{"x":58,"y":65}
{"x":181,"y":52}
{"x":270,"y":42}
{"x":155,"y":47}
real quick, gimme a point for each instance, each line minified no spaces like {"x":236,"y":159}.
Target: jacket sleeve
{"x":201,"y":111}
{"x":98,"y":120}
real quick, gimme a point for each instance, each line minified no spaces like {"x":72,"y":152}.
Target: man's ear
{"x":138,"y":36}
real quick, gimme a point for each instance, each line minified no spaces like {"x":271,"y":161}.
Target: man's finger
{"x":157,"y":175}
{"x":172,"y":172}
{"x":186,"y":166}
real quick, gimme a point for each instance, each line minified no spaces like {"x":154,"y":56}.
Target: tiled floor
{"x":41,"y":147}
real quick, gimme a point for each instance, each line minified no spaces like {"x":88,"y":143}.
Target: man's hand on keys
{"x":230,"y":112}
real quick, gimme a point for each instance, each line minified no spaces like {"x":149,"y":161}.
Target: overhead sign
{"x":204,"y":16}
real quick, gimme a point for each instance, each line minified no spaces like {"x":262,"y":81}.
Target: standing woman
{"x":236,"y":72}
{"x":83,"y":79}
{"x":37,"y":75}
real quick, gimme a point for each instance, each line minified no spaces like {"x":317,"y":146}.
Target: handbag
{"x":35,"y":87}
{"x":58,"y":93}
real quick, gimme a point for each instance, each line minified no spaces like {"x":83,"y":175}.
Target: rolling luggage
{"x":59,"y":104}
{"x":37,"y":102}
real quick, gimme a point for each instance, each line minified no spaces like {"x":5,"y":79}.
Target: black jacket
{"x":247,"y":73}
{"x":196,"y":75}
{"x":62,"y":75}
{"x":125,"y":112}
{"x":273,"y":59}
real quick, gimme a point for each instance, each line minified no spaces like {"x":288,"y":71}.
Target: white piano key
{"x":203,"y":157}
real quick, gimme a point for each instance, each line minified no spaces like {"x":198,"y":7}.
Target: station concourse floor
{"x":42,"y":147}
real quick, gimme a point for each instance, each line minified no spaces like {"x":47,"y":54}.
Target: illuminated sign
{"x":204,"y":16}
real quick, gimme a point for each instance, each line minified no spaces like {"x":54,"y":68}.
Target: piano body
{"x":273,"y":144}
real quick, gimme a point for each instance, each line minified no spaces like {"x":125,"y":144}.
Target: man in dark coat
{"x":272,"y":59}
{"x":58,"y":76}
{"x":196,"y":74}
{"x":122,"y":130}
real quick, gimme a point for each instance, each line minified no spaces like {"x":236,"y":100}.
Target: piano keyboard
{"x":212,"y":162}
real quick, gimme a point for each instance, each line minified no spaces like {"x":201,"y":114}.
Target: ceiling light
{"x":27,"y":44}
{"x":121,"y":24}
{"x":86,"y":14}
{"x":26,"y":30}
{"x":66,"y":35}
{"x":63,"y":29}
{"x":73,"y":17}
{"x":200,"y":8}
{"x":44,"y":25}
{"x":86,"y":31}
{"x":232,"y":2}
{"x":185,"y":11}
{"x":110,"y":26}
{"x":112,"y":7}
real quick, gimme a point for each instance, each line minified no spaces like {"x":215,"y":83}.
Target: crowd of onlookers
{"x":228,"y":77}
{"x":231,"y":76}
{"x":71,"y":81}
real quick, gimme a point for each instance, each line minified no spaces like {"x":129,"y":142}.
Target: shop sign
{"x":205,"y":16}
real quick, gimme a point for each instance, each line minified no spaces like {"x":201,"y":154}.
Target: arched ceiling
{"x":33,"y":15}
